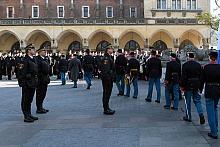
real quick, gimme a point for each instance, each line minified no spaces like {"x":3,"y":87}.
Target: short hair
{"x":153,"y":52}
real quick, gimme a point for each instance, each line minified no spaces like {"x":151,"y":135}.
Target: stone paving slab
{"x":76,"y":120}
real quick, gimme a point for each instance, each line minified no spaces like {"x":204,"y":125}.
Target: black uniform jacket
{"x":43,"y":70}
{"x":88,"y":63}
{"x":173,"y":71}
{"x":153,"y":68}
{"x":211,"y":79}
{"x":133,"y":67}
{"x":191,"y":72}
{"x":121,"y":64}
{"x":107,"y":67}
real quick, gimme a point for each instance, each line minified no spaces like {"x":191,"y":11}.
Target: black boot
{"x":28,"y":119}
{"x":202,"y":119}
{"x":109,"y":112}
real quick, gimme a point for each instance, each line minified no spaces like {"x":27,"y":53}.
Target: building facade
{"x":63,"y":25}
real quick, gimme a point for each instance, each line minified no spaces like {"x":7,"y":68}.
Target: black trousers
{"x":40,"y":95}
{"x":9,"y":72}
{"x":27,"y":98}
{"x":0,"y":74}
{"x":107,"y":84}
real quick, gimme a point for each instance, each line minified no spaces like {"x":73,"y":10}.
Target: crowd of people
{"x":124,"y":69}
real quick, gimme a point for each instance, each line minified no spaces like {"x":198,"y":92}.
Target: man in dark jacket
{"x":62,"y":68}
{"x":88,"y":68}
{"x":120,"y":67}
{"x":132,"y":71}
{"x":190,"y":84}
{"x":153,"y":73}
{"x":107,"y":69}
{"x":27,"y":79}
{"x":8,"y":65}
{"x":172,"y":78}
{"x":211,"y":79}
{"x":43,"y":80}
{"x":1,"y":66}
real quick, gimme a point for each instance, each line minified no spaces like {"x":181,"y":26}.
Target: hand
{"x":182,"y":89}
{"x":146,"y":78}
{"x":166,"y":82}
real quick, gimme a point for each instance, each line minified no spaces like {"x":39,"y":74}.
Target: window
{"x":60,"y":11}
{"x":35,"y":11}
{"x":10,"y":12}
{"x":176,"y":4}
{"x":109,"y":12}
{"x":133,"y":12}
{"x":161,"y":4}
{"x":85,"y":11}
{"x":191,"y":4}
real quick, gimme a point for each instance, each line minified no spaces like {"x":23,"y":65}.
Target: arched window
{"x":46,"y":45}
{"x":160,"y":45}
{"x":131,"y":45}
{"x":102,"y":45}
{"x":186,"y":43}
{"x":15,"y":47}
{"x":74,"y":46}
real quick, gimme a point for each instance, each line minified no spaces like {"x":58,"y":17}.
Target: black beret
{"x":153,"y":52}
{"x":191,"y":55}
{"x":213,"y":54}
{"x":119,"y":50}
{"x":41,"y":49}
{"x":131,"y":53}
{"x":30,"y":46}
{"x":108,"y":46}
{"x":173,"y":55}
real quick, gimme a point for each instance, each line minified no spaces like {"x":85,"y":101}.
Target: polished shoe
{"x":134,"y":97}
{"x":202,"y":120}
{"x":28,"y":120}
{"x":41,"y":111}
{"x":214,"y":137}
{"x":45,"y":109}
{"x":148,"y":100}
{"x":166,"y":107}
{"x":120,"y":94}
{"x":88,"y":87}
{"x":172,"y":108}
{"x":186,"y":119}
{"x":109,"y":112}
{"x":33,"y":117}
{"x":74,"y":86}
{"x":126,"y":95}
{"x":157,"y":101}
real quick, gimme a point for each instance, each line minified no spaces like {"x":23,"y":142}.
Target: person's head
{"x":109,"y":49}
{"x":172,"y":56}
{"x":191,"y":55}
{"x":30,"y":50}
{"x":42,"y":52}
{"x":131,"y":54}
{"x":153,"y":53}
{"x":87,"y":51}
{"x":119,"y":51}
{"x":62,"y":56}
{"x":213,"y":55}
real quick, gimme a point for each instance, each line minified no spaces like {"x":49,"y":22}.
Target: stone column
{"x":85,"y":44}
{"x":205,"y":42}
{"x":23,"y":44}
{"x":116,"y":44}
{"x":176,"y":42}
{"x":54,"y":45}
{"x":146,"y":43}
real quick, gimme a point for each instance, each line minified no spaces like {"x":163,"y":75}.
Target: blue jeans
{"x":196,"y":100}
{"x":135,"y":85}
{"x":153,"y":81}
{"x":120,"y":83}
{"x":88,"y":78}
{"x":63,"y":77}
{"x":211,"y":108}
{"x":175,"y":89}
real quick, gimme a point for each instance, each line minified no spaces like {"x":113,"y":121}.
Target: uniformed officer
{"x":120,"y":67}
{"x":43,"y":80}
{"x":211,"y":79}
{"x":107,"y":69}
{"x":172,"y":78}
{"x":1,"y":66}
{"x":190,"y":84}
{"x":27,"y":79}
{"x":88,"y":67}
{"x":132,"y":71}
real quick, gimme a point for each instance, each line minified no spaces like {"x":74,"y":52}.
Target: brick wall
{"x":76,"y":11}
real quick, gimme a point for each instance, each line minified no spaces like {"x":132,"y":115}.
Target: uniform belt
{"x":133,"y":69}
{"x":213,"y":84}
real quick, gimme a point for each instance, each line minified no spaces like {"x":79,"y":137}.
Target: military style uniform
{"x":107,"y":69}
{"x":172,"y":77}
{"x":190,"y":83}
{"x":211,"y":80}
{"x":28,"y":80}
{"x":43,"y":81}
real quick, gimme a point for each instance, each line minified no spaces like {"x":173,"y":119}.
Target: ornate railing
{"x":90,"y":21}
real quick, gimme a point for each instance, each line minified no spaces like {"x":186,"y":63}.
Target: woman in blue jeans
{"x":211,"y":79}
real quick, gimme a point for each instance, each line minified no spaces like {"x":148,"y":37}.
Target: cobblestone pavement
{"x":76,"y":120}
